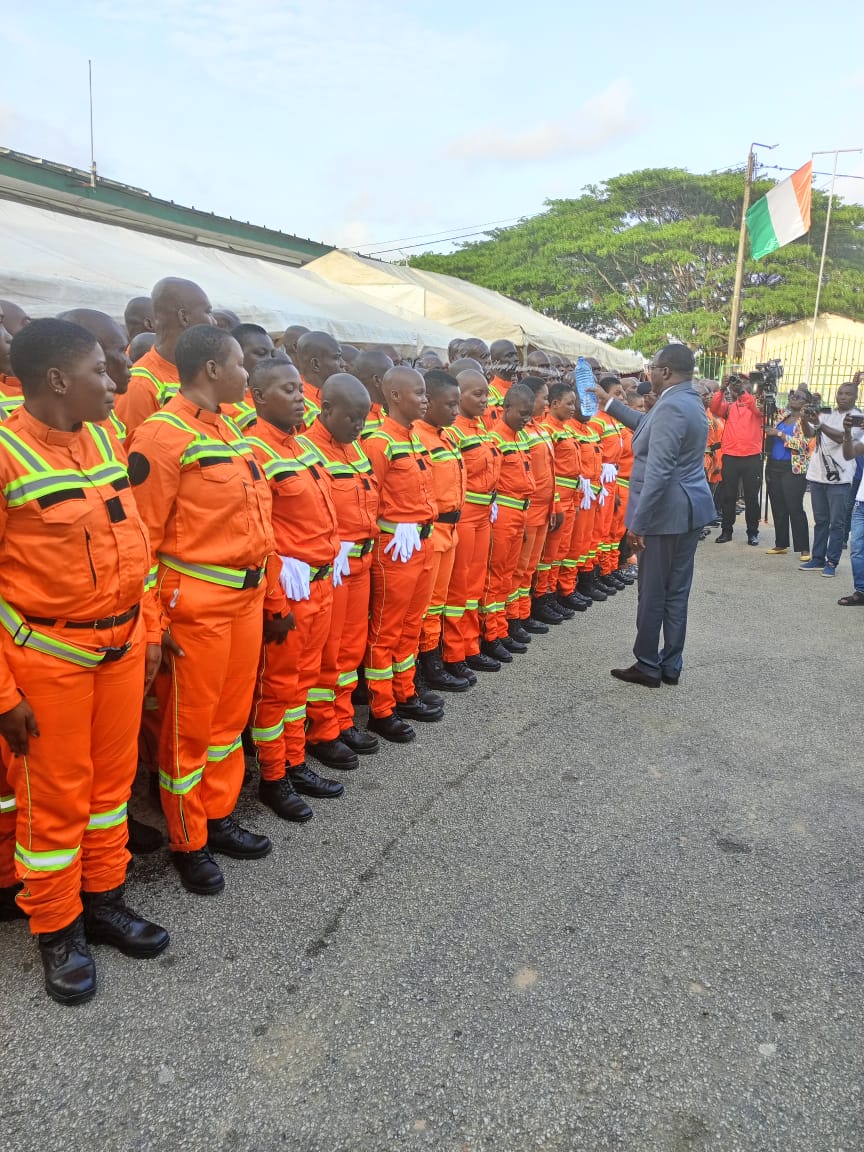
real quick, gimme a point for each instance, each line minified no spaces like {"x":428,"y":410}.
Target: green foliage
{"x":652,"y":253}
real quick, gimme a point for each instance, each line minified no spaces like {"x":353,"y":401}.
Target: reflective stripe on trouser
{"x":602,"y":539}
{"x":433,"y":621}
{"x":557,"y":547}
{"x":8,"y":816}
{"x":72,"y":787}
{"x":467,"y":581}
{"x":286,"y":673}
{"x":584,"y":541}
{"x":616,"y":532}
{"x":400,"y":596}
{"x":507,"y":534}
{"x":529,"y":558}
{"x":343,"y":654}
{"x":208,"y":702}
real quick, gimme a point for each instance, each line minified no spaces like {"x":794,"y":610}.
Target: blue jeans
{"x":856,"y":549}
{"x":829,"y":520}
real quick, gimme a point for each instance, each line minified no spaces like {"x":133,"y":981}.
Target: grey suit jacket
{"x":668,"y":490}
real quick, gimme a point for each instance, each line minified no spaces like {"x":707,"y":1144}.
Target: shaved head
{"x":399,"y":377}
{"x":226,"y":319}
{"x":318,"y":357}
{"x":178,"y":305}
{"x":138,"y":316}
{"x":465,"y":364}
{"x":290,"y":337}
{"x":390,"y":351}
{"x":476,"y":349}
{"x":14,"y":317}
{"x":110,"y":335}
{"x":343,"y":388}
{"x":429,"y":361}
{"x":349,"y":354}
{"x":141,"y":345}
{"x":471,"y":378}
{"x":345,"y":405}
{"x":370,"y":368}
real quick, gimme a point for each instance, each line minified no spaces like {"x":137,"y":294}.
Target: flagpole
{"x":812,"y":350}
{"x":732,"y":344}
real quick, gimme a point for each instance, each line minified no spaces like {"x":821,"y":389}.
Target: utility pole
{"x":732,"y":346}
{"x":92,"y":145}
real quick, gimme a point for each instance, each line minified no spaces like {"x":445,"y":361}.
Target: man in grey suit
{"x":670,"y":503}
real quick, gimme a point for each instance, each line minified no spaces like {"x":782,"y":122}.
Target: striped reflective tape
{"x":54,"y":861}
{"x":180,"y":785}
{"x":216,"y":753}
{"x":112,"y":819}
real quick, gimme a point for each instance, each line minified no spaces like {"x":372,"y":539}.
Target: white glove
{"x":608,"y":474}
{"x":406,"y":541}
{"x":493,"y":511}
{"x":587,"y":494}
{"x":342,"y":565}
{"x":601,"y":498}
{"x":294,"y":578}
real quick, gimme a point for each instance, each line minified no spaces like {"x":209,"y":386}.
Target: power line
{"x":840,"y":175}
{"x":428,"y":235}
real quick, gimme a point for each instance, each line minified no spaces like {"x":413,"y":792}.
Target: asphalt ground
{"x":574,"y":915}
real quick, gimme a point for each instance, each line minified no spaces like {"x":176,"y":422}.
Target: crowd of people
{"x":212,"y":547}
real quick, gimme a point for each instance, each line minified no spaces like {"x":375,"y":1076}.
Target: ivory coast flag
{"x":781,"y":216}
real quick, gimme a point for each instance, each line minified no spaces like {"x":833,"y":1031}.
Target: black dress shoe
{"x":199,"y":872}
{"x":461,"y":669}
{"x":417,"y":709}
{"x":670,"y":680}
{"x":496,"y":650}
{"x":515,"y":646}
{"x":516,"y":632}
{"x":753,"y":539}
{"x":334,"y":754}
{"x":480,"y":662}
{"x":437,"y":675}
{"x":392,"y":728}
{"x":723,"y":538}
{"x":307,"y":782}
{"x":226,"y":836}
{"x":363,"y":743}
{"x":534,"y":627}
{"x":70,"y":974}
{"x":9,"y":909}
{"x":143,"y":839}
{"x":282,"y":797}
{"x":634,"y":675}
{"x":544,"y":610}
{"x":107,"y":920}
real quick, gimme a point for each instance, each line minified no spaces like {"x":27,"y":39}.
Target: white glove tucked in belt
{"x":294,"y":578}
{"x":608,"y":474}
{"x":406,"y":541}
{"x":493,"y":511}
{"x":342,"y":564}
{"x":587,"y":494}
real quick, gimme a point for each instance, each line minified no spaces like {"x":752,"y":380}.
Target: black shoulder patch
{"x":139,"y":468}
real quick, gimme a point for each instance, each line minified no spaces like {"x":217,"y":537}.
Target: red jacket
{"x":742,"y":435}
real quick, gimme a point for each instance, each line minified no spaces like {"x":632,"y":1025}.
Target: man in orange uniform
{"x":177,"y":305}
{"x":533,"y":612}
{"x":74,"y":655}
{"x":257,"y":346}
{"x":11,"y":396}
{"x":513,"y":498}
{"x":307,"y":540}
{"x":370,"y":368}
{"x":289,"y":341}
{"x":138,"y":317}
{"x":482,"y":463}
{"x":402,"y":561}
{"x":448,"y":480}
{"x":318,"y":357}
{"x":207,"y":506}
{"x":505,"y":364}
{"x":584,"y":544}
{"x":113,"y":344}
{"x":556,"y":580}
{"x":612,"y":444}
{"x":333,"y":438}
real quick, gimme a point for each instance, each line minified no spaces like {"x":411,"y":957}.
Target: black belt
{"x":450,"y":517}
{"x":425,"y":531}
{"x":105,"y":622}
{"x":252,"y":579}
{"x":366,"y":546}
{"x":320,"y":573}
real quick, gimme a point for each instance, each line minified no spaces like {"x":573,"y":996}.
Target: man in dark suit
{"x":670,"y":503}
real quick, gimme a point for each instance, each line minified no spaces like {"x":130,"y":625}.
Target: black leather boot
{"x":363,"y":743}
{"x":307,"y":781}
{"x":516,"y":631}
{"x":107,"y":920}
{"x":282,"y":797}
{"x":496,"y":650}
{"x":334,"y":754}
{"x":437,"y":676}
{"x":461,"y":669}
{"x":588,"y":588}
{"x":226,"y":836}
{"x":544,"y":610}
{"x":9,"y":909}
{"x":199,"y":872}
{"x":70,"y":974}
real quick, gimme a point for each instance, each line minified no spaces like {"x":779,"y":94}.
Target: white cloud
{"x":601,"y":121}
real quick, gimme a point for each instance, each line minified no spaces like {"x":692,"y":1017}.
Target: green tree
{"x":653,"y":252}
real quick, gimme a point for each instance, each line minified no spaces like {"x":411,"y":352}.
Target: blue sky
{"x":366,"y":122}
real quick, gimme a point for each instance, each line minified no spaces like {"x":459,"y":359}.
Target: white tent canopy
{"x":50,"y":262}
{"x":451,"y":301}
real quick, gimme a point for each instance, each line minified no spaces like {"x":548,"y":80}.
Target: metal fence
{"x":835,"y":360}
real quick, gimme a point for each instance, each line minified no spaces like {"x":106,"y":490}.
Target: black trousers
{"x":786,"y":495}
{"x":746,"y":470}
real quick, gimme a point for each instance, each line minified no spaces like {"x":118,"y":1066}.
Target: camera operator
{"x":829,"y":476}
{"x":853,"y":447}
{"x":788,"y":455}
{"x":741,"y":446}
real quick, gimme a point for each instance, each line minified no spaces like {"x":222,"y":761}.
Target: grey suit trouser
{"x":665,"y":578}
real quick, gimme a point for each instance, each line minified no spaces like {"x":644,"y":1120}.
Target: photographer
{"x":741,"y":446}
{"x":853,"y":446}
{"x":788,"y":454}
{"x":829,"y":476}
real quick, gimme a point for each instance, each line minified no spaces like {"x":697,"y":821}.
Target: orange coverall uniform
{"x":558,"y":556}
{"x":625,"y":470}
{"x":11,"y":396}
{"x":498,"y":389}
{"x":482,"y":464}
{"x":374,"y":420}
{"x":515,"y":489}
{"x":448,"y":480}
{"x":400,"y":591}
{"x":207,"y":506}
{"x":153,"y":380}
{"x":312,"y":403}
{"x":74,"y":557}
{"x":329,"y":710}
{"x":584,"y":544}
{"x":305,"y":528}
{"x":611,"y":443}
{"x":545,"y":501}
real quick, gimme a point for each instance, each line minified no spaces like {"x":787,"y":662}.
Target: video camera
{"x":765,"y":378}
